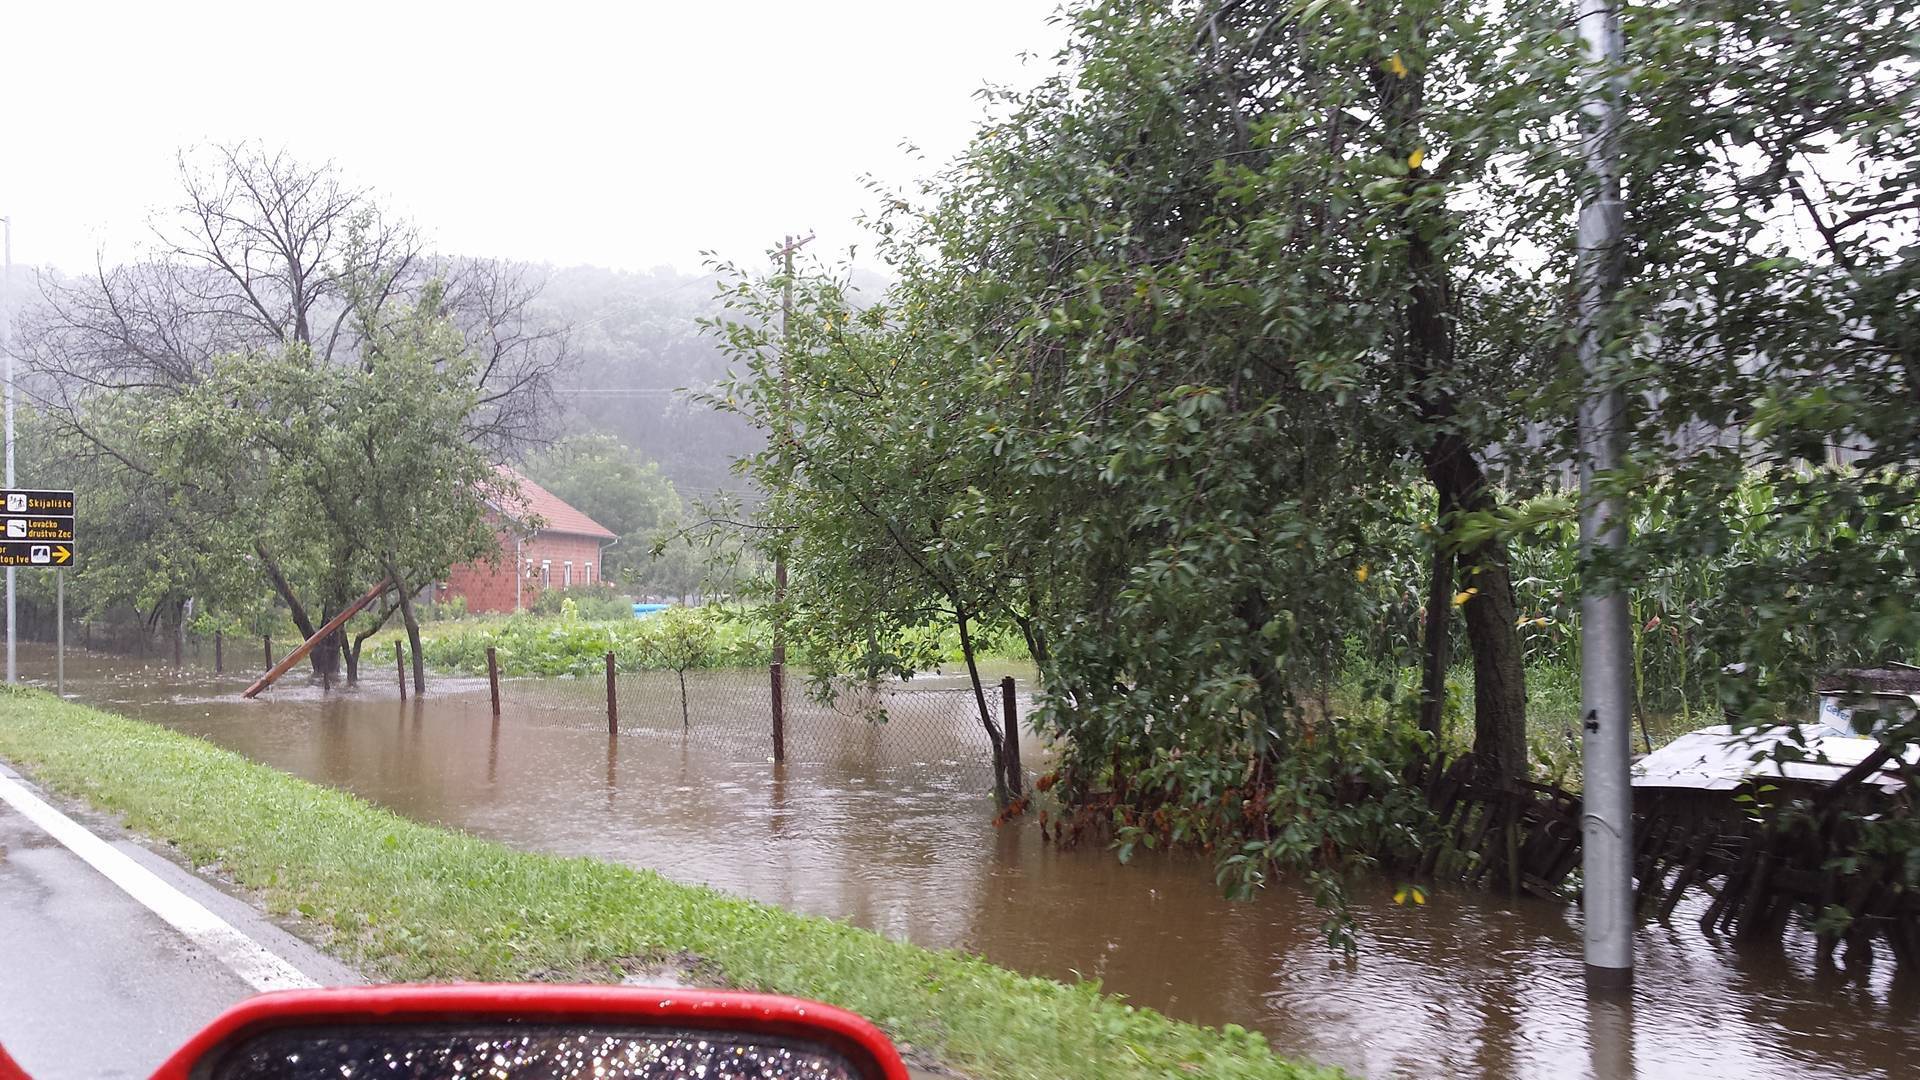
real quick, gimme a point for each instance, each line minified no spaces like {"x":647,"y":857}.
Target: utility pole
{"x":6,"y":320}
{"x":788,"y":245}
{"x":1605,"y":641}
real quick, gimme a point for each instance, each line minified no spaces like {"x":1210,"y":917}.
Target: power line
{"x":628,"y":391}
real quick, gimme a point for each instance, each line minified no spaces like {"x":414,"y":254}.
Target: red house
{"x":564,"y":550}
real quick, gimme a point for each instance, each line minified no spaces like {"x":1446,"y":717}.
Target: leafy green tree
{"x":874,"y":489}
{"x":677,"y":640}
{"x":358,"y":472}
{"x":266,"y":257}
{"x":619,"y":488}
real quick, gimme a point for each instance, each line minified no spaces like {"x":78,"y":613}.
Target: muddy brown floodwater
{"x":1468,"y":985}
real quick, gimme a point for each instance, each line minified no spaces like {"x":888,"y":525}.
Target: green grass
{"x":408,"y":901}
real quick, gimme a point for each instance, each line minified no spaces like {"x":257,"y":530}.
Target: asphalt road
{"x":92,"y":982}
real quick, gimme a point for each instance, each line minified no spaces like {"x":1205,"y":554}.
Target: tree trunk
{"x":686,"y":721}
{"x":1499,"y":673}
{"x":325,"y":657}
{"x":1434,"y":644}
{"x":1273,"y":696}
{"x":411,"y":620}
{"x":986,"y":717}
{"x":1499,"y":678}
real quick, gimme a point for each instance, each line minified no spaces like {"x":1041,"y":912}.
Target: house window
{"x":586,"y":575}
{"x":546,"y":573}
{"x":566,"y":575}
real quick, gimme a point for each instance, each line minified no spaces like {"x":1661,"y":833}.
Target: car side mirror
{"x":533,"y":1032}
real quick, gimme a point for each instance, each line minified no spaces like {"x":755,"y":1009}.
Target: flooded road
{"x":1469,"y":985}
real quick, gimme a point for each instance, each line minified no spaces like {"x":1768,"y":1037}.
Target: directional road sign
{"x":36,"y":528}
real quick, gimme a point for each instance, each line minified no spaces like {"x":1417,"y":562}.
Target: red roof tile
{"x":555,"y":515}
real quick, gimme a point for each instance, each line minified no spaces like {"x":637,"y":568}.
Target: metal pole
{"x":1605,"y":641}
{"x":60,"y":632}
{"x":6,"y":317}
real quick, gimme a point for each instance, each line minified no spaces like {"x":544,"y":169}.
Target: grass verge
{"x":408,"y":901}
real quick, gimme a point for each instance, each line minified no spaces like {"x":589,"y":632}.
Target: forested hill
{"x":635,"y":340}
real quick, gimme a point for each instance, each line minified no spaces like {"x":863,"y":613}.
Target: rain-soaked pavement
{"x":895,"y":834}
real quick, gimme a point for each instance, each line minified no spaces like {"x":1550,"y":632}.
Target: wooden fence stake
{"x":219,"y":654}
{"x":613,"y":698}
{"x":266,"y":643}
{"x":400,"y":668}
{"x":1010,"y":721}
{"x":778,"y":673}
{"x":493,"y":680}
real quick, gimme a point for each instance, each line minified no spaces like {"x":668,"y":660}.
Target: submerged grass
{"x":404,"y":900}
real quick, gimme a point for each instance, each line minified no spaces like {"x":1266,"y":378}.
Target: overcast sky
{"x":621,"y":134}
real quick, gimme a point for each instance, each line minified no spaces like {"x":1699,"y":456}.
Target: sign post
{"x":36,"y":530}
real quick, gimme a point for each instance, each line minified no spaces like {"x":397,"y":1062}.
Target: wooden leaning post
{"x":493,"y":680}
{"x":400,"y":667}
{"x":777,"y":672}
{"x":613,"y":698}
{"x":1010,"y":721}
{"x":274,"y":671}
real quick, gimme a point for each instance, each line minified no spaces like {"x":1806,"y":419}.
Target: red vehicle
{"x":529,"y":1032}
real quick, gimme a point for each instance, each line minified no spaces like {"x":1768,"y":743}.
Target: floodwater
{"x":888,"y":833}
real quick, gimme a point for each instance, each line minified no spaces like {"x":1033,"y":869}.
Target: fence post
{"x":1010,"y":721}
{"x":266,"y":643}
{"x":778,"y":673}
{"x":493,"y":680}
{"x":613,"y":698}
{"x":219,"y":654}
{"x":400,"y":668}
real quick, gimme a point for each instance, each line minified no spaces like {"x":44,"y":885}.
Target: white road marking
{"x":245,"y":957}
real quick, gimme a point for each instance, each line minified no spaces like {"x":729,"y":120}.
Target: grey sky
{"x":626,"y":135}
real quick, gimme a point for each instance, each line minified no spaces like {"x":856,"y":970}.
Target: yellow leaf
{"x":1414,"y":159}
{"x":1400,"y":895}
{"x":1360,"y":574}
{"x":1397,"y":66}
{"x":1420,"y":897}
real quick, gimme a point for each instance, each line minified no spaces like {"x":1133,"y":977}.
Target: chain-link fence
{"x":890,"y":728}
